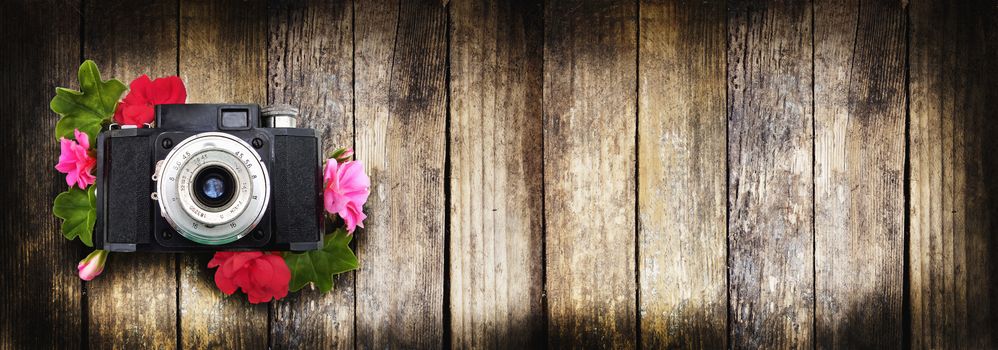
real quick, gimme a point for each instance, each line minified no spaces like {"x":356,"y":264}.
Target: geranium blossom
{"x":92,"y":265}
{"x":346,"y":191}
{"x":261,"y":275}
{"x":137,"y":107}
{"x":75,"y":160}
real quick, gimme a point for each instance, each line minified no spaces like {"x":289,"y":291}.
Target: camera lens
{"x":214,"y":186}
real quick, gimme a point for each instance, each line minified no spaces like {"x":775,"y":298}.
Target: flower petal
{"x":262,"y":272}
{"x":282,"y":274}
{"x":167,"y":90}
{"x":238,"y":262}
{"x":139,"y":85}
{"x":352,"y":216}
{"x":225,"y":284}
{"x":330,"y":171}
{"x":82,"y":139}
{"x":352,"y":176}
{"x":255,"y":298}
{"x":220,"y":258}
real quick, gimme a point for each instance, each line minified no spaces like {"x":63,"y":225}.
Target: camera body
{"x":210,"y":177}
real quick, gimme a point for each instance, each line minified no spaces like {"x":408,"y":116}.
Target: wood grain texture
{"x":590,"y":113}
{"x":401,"y":111}
{"x":496,"y":219}
{"x":310,"y":65}
{"x":681,"y":176}
{"x":954,"y":196}
{"x":222,"y":60}
{"x":484,"y":123}
{"x":41,"y":293}
{"x":134,"y":303}
{"x":859,"y":98}
{"x":770,"y":201}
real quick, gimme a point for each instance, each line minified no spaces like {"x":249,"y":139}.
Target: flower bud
{"x":343,"y":154}
{"x":92,"y":265}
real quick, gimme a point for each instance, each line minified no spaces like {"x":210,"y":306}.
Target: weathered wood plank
{"x":954,"y":197}
{"x":590,"y":113}
{"x":310,"y":65}
{"x":770,"y":199}
{"x":401,"y":111}
{"x":496,"y":220}
{"x":134,"y":303}
{"x":681,"y":154}
{"x":222,"y":59}
{"x":859,"y":98}
{"x":40,"y":291}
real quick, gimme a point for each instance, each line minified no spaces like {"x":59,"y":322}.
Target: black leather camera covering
{"x":128,"y":219}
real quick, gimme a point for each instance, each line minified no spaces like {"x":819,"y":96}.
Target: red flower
{"x":261,"y":275}
{"x":137,"y":107}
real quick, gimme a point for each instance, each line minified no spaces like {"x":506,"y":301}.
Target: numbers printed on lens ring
{"x":213,"y":222}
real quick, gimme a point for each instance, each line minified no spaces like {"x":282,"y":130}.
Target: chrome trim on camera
{"x":279,"y":116}
{"x":183,"y":212}
{"x":280,"y":121}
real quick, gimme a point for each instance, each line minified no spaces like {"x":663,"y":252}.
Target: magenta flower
{"x":346,"y":191}
{"x":76,"y":161}
{"x":92,"y":265}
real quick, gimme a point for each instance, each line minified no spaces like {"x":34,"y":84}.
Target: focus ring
{"x":203,"y":223}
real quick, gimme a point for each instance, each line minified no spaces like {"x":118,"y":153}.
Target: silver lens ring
{"x":200,"y":223}
{"x":186,"y":187}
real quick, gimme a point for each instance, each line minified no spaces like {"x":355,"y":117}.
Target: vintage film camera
{"x":208,"y":177}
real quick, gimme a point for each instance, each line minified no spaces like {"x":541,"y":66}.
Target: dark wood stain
{"x":769,"y":172}
{"x":681,"y":154}
{"x":597,"y":174}
{"x":589,"y":173}
{"x":953,"y":167}
{"x":42,"y":296}
{"x":400,"y":61}
{"x":496,"y":233}
{"x":859,"y":92}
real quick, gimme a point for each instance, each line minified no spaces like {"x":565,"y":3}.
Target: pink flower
{"x":76,"y":161}
{"x":261,"y":275}
{"x":92,"y":265}
{"x":137,"y":107}
{"x":346,"y":191}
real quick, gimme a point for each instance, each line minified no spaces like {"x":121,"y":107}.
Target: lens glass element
{"x":210,"y":187}
{"x":213,"y":187}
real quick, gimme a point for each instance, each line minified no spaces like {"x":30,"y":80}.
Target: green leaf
{"x":89,"y":108}
{"x":338,"y":152}
{"x":319,"y":266}
{"x":78,"y":210}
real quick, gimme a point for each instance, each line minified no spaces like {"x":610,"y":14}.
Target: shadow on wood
{"x":41,"y":295}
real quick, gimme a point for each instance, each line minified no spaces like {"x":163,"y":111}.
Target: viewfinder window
{"x":235,"y":118}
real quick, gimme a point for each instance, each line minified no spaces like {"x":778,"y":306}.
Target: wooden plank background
{"x":597,"y":174}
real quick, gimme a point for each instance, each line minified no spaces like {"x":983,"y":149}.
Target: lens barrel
{"x":213,"y":187}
